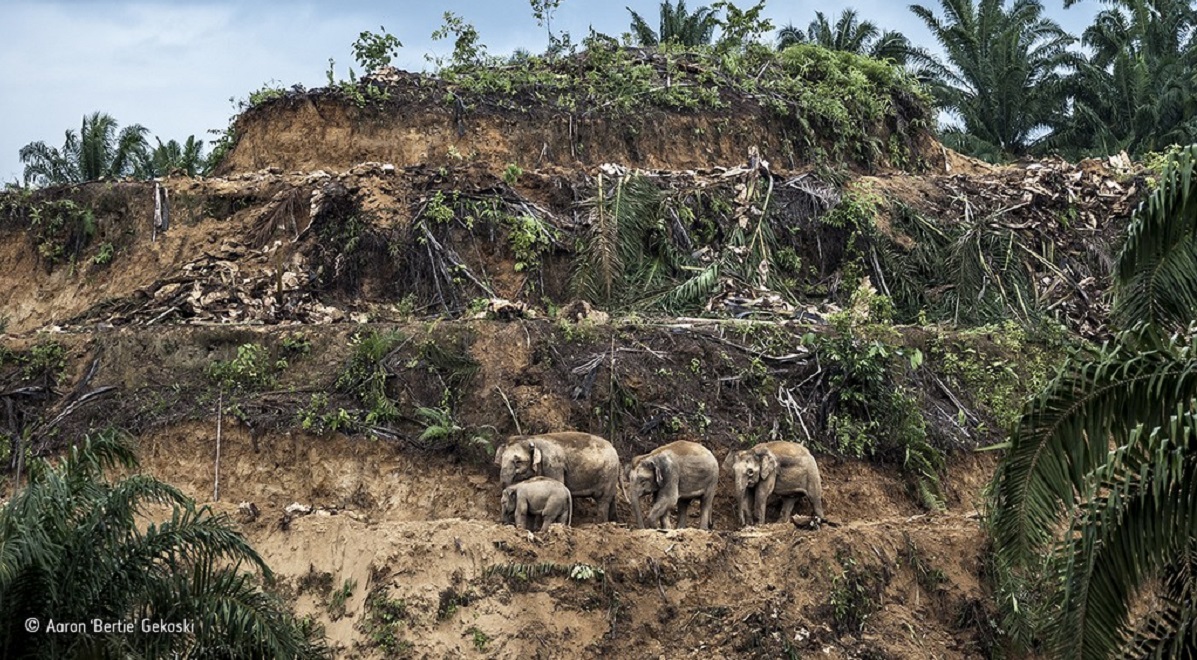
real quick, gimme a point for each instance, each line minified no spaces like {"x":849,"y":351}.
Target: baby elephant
{"x":539,"y":496}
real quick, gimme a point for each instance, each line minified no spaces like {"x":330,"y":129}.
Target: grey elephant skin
{"x":774,"y":469}
{"x":585,"y":463}
{"x":674,"y":474}
{"x":538,"y":497}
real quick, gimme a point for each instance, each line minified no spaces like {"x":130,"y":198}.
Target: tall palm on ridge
{"x":849,"y":34}
{"x":187,"y":158}
{"x":74,"y":547}
{"x":1003,"y":76}
{"x":97,"y":151}
{"x":676,"y":26}
{"x":1110,"y":521}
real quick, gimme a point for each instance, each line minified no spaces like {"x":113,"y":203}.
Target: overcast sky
{"x":173,"y":66}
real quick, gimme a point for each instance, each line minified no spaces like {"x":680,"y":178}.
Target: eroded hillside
{"x":372,"y":296}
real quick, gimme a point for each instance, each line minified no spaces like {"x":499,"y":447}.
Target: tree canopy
{"x":75,"y":546}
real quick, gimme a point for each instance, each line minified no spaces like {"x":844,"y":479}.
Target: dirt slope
{"x":435,"y":576}
{"x":337,"y":224}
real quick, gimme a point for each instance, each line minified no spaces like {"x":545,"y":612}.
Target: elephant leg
{"x":787,"y":507}
{"x":606,"y":507}
{"x":816,"y":500}
{"x":521,"y":515}
{"x":660,"y":510}
{"x":762,"y":498}
{"x":683,"y":512}
{"x":708,"y":503}
{"x":745,"y":510}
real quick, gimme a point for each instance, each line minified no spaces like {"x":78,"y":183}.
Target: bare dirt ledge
{"x":434,"y":576}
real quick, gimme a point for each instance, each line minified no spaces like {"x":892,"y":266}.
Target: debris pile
{"x":1061,"y":221}
{"x":231,"y":284}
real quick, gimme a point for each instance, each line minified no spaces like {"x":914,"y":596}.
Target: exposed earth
{"x":396,"y":548}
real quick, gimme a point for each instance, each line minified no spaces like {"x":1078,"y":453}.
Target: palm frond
{"x":1065,"y":434}
{"x":1157,"y":267}
{"x":1140,"y":513}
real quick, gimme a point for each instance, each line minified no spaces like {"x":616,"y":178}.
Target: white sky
{"x":173,"y":66}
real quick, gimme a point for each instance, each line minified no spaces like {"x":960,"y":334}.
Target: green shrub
{"x":856,"y":594}
{"x":365,"y":376}
{"x":252,"y":369}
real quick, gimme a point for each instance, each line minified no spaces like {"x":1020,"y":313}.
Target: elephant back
{"x":797,"y":469}
{"x":591,"y":462}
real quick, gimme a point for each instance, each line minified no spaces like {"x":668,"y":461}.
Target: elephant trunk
{"x":742,"y":483}
{"x":506,"y":476}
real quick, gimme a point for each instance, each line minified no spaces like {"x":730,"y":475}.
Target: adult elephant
{"x":677,"y":473}
{"x":782,"y":469}
{"x":585,"y":463}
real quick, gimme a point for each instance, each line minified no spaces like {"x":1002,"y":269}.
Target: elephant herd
{"x":542,"y":474}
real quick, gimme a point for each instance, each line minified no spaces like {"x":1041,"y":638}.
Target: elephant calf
{"x":677,"y":473}
{"x":783,"y":469}
{"x":585,"y":463}
{"x":540,"y":497}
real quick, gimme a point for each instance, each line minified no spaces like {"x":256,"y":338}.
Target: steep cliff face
{"x":803,"y":107}
{"x":321,"y":132}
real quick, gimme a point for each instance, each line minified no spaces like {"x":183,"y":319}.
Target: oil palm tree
{"x":187,"y":158}
{"x":1096,"y":498}
{"x":677,"y":26}
{"x":850,"y":34}
{"x":1135,"y":91}
{"x":1003,"y":77}
{"x":74,"y":547}
{"x":97,"y":151}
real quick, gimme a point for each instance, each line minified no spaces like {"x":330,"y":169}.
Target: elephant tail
{"x":569,"y":500}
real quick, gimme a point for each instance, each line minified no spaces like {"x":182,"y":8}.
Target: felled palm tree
{"x":73,"y":548}
{"x":1100,"y":476}
{"x":1003,"y":77}
{"x":187,"y":158}
{"x":849,"y":34}
{"x":677,"y":26}
{"x":97,"y":151}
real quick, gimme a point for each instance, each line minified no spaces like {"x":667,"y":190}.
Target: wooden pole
{"x":219,"y":418}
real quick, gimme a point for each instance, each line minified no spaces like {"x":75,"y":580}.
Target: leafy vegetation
{"x":855,"y":593}
{"x":1003,"y":74}
{"x":384,"y":618}
{"x":60,"y":230}
{"x":852,"y":35}
{"x":366,"y":374}
{"x":72,"y":549}
{"x":1093,"y":501}
{"x":165,"y":159}
{"x":252,"y":369}
{"x":677,"y":26}
{"x":871,"y":411}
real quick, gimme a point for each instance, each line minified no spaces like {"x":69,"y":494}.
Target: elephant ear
{"x":499,"y":454}
{"x":509,"y":499}
{"x":768,"y":465}
{"x":666,"y":471}
{"x":536,"y":457}
{"x":730,"y":461}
